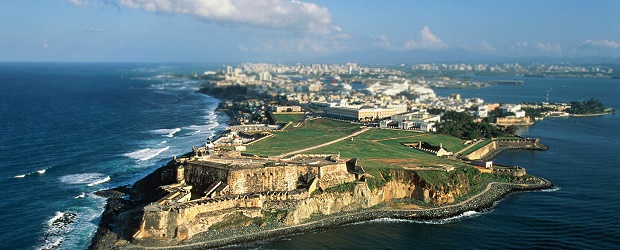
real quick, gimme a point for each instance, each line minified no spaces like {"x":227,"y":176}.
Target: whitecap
{"x":80,"y":196}
{"x":85,"y":178}
{"x":145,"y":154}
{"x":20,"y":176}
{"x":42,"y":171}
{"x":167,"y":132}
{"x":163,"y":142}
{"x":97,"y":182}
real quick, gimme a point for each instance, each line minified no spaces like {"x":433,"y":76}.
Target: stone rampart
{"x":201,"y":176}
{"x":255,"y":180}
{"x":489,"y":151}
{"x":174,"y":221}
{"x":483,"y":151}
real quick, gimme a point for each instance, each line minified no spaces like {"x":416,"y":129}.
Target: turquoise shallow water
{"x":71,"y":129}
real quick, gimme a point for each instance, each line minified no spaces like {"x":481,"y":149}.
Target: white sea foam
{"x":97,"y":182}
{"x":163,"y":142}
{"x":85,"y":178}
{"x":145,"y":154}
{"x":466,"y":214}
{"x":201,"y":129}
{"x":80,"y":196}
{"x":167,"y":132}
{"x":57,"y":216}
{"x":57,"y":227}
{"x":556,"y":188}
{"x":20,"y":176}
{"x":42,"y":171}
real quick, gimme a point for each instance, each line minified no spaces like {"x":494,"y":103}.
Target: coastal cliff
{"x":377,"y":194}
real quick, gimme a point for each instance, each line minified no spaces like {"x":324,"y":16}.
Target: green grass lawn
{"x":312,"y":133}
{"x":374,"y":148}
{"x":383,"y":148}
{"x":284,"y":118}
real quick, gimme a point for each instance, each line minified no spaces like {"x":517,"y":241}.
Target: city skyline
{"x":289,"y":31}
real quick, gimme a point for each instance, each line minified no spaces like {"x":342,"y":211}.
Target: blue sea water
{"x":68,"y":130}
{"x":71,"y":129}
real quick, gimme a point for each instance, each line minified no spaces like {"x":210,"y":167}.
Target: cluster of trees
{"x":591,"y":106}
{"x":462,"y":125}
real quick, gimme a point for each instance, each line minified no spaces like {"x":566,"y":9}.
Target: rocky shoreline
{"x":213,"y":239}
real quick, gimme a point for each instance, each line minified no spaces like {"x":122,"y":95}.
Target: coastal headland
{"x":292,"y":169}
{"x":216,"y":196}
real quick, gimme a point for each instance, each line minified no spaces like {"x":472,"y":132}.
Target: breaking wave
{"x":167,"y":132}
{"x":145,"y":154}
{"x":97,"y":182}
{"x":41,"y":171}
{"x":57,"y":227}
{"x":90,"y":179}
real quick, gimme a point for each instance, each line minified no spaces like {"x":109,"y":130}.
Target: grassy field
{"x":284,"y":118}
{"x":312,"y":133}
{"x":375,"y":148}
{"x":383,"y":148}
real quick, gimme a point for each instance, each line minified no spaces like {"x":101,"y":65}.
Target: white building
{"x":358,"y":112}
{"x":420,"y":120}
{"x":264,"y":76}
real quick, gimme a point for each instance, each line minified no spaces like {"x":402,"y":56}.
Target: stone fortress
{"x":211,"y":184}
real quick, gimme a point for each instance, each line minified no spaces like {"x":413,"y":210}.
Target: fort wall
{"x":252,"y":180}
{"x":495,"y":147}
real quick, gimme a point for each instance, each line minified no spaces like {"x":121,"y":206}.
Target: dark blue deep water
{"x":68,"y":130}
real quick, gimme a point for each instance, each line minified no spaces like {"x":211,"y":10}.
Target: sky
{"x":291,"y":30}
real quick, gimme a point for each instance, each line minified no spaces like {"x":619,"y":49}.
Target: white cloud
{"x":311,"y":45}
{"x":95,"y":30}
{"x":601,"y":44}
{"x":552,"y":48}
{"x":487,"y":47}
{"x":538,"y":48}
{"x":383,"y":41}
{"x":277,"y":14}
{"x":77,"y":2}
{"x":426,"y":40}
{"x":46,"y":46}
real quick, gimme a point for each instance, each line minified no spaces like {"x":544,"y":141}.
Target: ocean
{"x":71,"y":129}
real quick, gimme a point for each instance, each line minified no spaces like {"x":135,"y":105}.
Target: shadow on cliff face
{"x":123,"y":212}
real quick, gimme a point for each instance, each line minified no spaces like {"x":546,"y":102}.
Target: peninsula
{"x":289,"y":163}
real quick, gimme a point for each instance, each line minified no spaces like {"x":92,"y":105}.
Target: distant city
{"x":396,"y":96}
